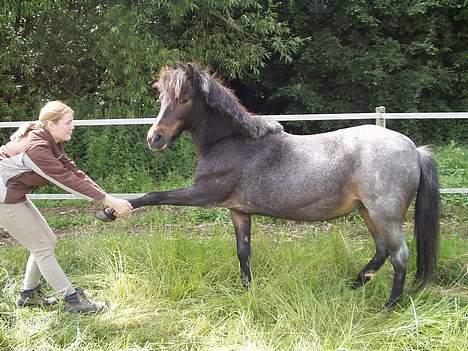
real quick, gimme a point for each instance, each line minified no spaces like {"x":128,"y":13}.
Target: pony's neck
{"x":210,"y":128}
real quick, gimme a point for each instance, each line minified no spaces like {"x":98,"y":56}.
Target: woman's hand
{"x":121,"y":206}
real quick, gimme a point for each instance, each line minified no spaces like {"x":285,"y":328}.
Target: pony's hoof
{"x":106,"y":215}
{"x":359,"y":283}
{"x":391,"y":304}
{"x":246,"y":283}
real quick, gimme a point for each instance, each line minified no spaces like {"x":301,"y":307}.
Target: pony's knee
{"x":243,"y":252}
{"x":243,"y":247}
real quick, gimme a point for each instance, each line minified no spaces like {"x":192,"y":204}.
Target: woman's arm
{"x":41,"y":160}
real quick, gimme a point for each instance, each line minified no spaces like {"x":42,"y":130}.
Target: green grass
{"x":453,"y":165}
{"x":174,"y":285}
{"x":453,"y":171}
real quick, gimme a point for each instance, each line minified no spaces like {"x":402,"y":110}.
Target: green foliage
{"x":101,"y":61}
{"x":433,"y":132}
{"x":407,"y":56}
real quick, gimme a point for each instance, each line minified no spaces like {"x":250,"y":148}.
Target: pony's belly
{"x":311,"y":212}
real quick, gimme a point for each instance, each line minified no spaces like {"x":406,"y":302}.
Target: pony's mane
{"x":218,"y":97}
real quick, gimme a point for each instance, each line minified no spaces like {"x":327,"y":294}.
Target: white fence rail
{"x":379,"y":116}
{"x":283,"y":118}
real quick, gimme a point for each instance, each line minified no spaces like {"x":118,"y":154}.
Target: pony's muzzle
{"x":157,"y":142}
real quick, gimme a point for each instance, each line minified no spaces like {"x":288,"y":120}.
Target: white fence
{"x":379,"y":116}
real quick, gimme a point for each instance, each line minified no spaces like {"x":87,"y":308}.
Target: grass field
{"x":170,"y":277}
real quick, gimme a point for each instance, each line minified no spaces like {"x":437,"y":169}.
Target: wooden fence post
{"x":380,"y":120}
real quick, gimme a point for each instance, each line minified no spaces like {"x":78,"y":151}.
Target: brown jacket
{"x":36,"y":160}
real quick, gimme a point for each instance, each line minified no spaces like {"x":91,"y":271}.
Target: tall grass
{"x":175,"y":286}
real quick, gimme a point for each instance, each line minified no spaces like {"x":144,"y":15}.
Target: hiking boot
{"x":79,"y":303}
{"x":34,"y":297}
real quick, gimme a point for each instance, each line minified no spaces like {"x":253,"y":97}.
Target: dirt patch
{"x":5,"y":238}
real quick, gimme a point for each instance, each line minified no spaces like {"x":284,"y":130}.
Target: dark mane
{"x":218,"y":97}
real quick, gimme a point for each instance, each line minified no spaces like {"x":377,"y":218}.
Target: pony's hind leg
{"x":242,"y":224}
{"x":390,"y":242}
{"x":380,"y":256}
{"x":399,"y":259}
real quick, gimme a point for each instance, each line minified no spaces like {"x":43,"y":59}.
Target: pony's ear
{"x":154,"y":87}
{"x":190,"y":72}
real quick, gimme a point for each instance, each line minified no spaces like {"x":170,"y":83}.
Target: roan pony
{"x":249,"y":165}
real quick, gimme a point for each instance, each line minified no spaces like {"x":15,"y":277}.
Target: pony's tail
{"x":426,"y":216}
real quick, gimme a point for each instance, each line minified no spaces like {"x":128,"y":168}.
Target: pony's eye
{"x":183,"y":100}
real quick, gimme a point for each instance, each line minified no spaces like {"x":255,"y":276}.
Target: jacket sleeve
{"x":42,"y":161}
{"x":71,"y":165}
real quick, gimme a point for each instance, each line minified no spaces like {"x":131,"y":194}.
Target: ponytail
{"x":24,"y":129}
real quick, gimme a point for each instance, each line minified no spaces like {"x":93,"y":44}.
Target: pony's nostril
{"x":157,"y":137}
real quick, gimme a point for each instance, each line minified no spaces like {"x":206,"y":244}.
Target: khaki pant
{"x":25,"y":223}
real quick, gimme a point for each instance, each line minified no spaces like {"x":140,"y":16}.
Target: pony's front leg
{"x":192,"y":196}
{"x":241,"y":223}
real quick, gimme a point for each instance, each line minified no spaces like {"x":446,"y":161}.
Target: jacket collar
{"x":45,"y":134}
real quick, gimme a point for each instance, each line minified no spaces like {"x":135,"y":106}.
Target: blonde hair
{"x":51,"y":112}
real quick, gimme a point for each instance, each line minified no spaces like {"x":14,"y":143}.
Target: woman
{"x":34,"y":157}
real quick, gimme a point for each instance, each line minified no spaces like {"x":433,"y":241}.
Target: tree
{"x":405,"y":55}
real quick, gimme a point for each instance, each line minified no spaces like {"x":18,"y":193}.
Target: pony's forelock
{"x":171,"y":80}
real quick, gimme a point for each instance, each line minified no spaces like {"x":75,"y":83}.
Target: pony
{"x":251,"y":166}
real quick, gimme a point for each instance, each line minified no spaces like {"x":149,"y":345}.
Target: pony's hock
{"x":249,"y":165}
